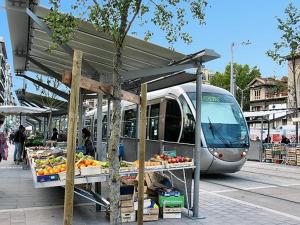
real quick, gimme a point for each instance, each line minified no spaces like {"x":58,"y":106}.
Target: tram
{"x":171,"y":123}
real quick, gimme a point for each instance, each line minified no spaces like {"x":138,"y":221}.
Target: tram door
{"x":172,"y":118}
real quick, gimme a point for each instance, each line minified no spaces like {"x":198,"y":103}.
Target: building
{"x":207,"y":75}
{"x":291,"y":99}
{"x":270,"y":94}
{"x":3,"y":69}
{"x":6,"y":96}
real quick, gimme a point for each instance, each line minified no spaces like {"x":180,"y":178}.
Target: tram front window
{"x":223,"y":123}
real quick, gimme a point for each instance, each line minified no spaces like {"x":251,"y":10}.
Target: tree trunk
{"x":113,"y":157}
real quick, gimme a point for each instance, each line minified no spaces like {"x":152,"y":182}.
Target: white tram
{"x":171,"y":122}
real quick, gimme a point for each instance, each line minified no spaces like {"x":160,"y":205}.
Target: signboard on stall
{"x":276,"y":138}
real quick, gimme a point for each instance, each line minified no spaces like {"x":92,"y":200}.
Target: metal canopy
{"x":142,"y":61}
{"x":16,"y":110}
{"x":60,"y":107}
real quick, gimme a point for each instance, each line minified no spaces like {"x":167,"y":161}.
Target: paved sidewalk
{"x":21,"y":204}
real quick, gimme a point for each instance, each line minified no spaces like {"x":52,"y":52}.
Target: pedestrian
{"x":54,"y":135}
{"x":3,"y":147}
{"x":18,"y":140}
{"x":267,"y":139}
{"x":88,"y":144}
{"x":11,"y":137}
{"x":285,"y":140}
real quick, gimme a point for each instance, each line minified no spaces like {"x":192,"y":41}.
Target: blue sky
{"x":226,"y":22}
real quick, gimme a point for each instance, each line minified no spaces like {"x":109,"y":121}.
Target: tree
{"x":115,"y":18}
{"x":287,"y":49}
{"x":49,"y":98}
{"x":244,"y":75}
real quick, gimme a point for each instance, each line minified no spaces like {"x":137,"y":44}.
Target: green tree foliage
{"x":288,"y":47}
{"x":244,"y":75}
{"x":115,"y":18}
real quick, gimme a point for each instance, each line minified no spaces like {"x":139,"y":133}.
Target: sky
{"x":226,"y":22}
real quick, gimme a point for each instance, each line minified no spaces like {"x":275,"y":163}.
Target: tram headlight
{"x":243,"y":154}
{"x":216,"y":154}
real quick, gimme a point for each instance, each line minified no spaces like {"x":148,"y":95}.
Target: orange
{"x":40,"y":172}
{"x":94,"y":164}
{"x":62,"y":169}
{"x":56,"y":171}
{"x":82,"y":166}
{"x":51,"y":171}
{"x":46,"y":172}
{"x":88,"y":162}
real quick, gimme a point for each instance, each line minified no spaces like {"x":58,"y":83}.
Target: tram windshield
{"x":223,"y":123}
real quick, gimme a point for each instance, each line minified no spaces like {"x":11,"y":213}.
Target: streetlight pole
{"x":232,"y":75}
{"x":232,"y":78}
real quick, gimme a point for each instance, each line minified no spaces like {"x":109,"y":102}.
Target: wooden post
{"x":142,"y":154}
{"x":72,"y":131}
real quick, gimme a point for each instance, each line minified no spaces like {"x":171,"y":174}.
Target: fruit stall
{"x":48,"y":166}
{"x":282,"y":154}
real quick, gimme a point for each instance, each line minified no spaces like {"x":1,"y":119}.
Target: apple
{"x":169,"y":160}
{"x":162,"y":156}
{"x":173,"y":160}
{"x":188,"y":159}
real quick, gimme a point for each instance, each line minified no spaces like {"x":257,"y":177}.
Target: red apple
{"x":162,"y":156}
{"x":173,"y":160}
{"x":169,"y":160}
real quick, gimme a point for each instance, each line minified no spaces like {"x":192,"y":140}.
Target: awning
{"x":263,"y":113}
{"x":296,"y":120}
{"x":142,"y":61}
{"x":17,"y":110}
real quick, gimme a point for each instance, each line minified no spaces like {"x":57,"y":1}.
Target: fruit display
{"x":170,"y":159}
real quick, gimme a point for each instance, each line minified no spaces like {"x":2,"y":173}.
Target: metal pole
{"x":80,"y":112}
{"x":100,"y":152}
{"x":232,"y":78}
{"x":108,"y":124}
{"x":242,"y":100}
{"x":197,"y":142}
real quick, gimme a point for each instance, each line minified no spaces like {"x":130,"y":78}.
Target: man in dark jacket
{"x":285,"y":140}
{"x":19,"y":139}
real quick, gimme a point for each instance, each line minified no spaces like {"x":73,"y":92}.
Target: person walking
{"x":3,"y":147}
{"x":88,"y":144}
{"x":18,"y":139}
{"x":54,"y":135}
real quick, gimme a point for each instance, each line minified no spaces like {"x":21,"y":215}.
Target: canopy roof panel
{"x":30,"y":42}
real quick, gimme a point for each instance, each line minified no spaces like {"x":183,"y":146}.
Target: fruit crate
{"x":63,"y":175}
{"x":90,"y":170}
{"x":171,"y":212}
{"x":128,"y":217}
{"x":150,"y":214}
{"x":171,"y":201}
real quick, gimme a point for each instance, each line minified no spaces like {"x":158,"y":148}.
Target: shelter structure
{"x":143,"y":62}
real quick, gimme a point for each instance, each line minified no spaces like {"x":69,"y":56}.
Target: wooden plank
{"x":99,"y":87}
{"x":142,"y":147}
{"x":71,"y":144}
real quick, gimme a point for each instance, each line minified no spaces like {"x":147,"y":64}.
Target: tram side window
{"x":189,"y":124}
{"x":129,"y":124}
{"x":154,"y":122}
{"x":172,"y":121}
{"x":104,"y":127}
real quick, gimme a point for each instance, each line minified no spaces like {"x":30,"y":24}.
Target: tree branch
{"x":134,"y":16}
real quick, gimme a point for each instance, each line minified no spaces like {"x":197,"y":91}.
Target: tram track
{"x":253,"y":192}
{"x":268,"y":174}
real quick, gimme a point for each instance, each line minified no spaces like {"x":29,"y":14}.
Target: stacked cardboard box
{"x":298,"y":155}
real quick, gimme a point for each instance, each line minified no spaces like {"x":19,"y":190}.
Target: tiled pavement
{"x":21,"y":204}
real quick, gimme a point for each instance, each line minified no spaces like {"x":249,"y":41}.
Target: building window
{"x":256,"y":94}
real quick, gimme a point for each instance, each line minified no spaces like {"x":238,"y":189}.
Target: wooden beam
{"x":99,"y":87}
{"x":142,"y":132}
{"x":72,"y":131}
